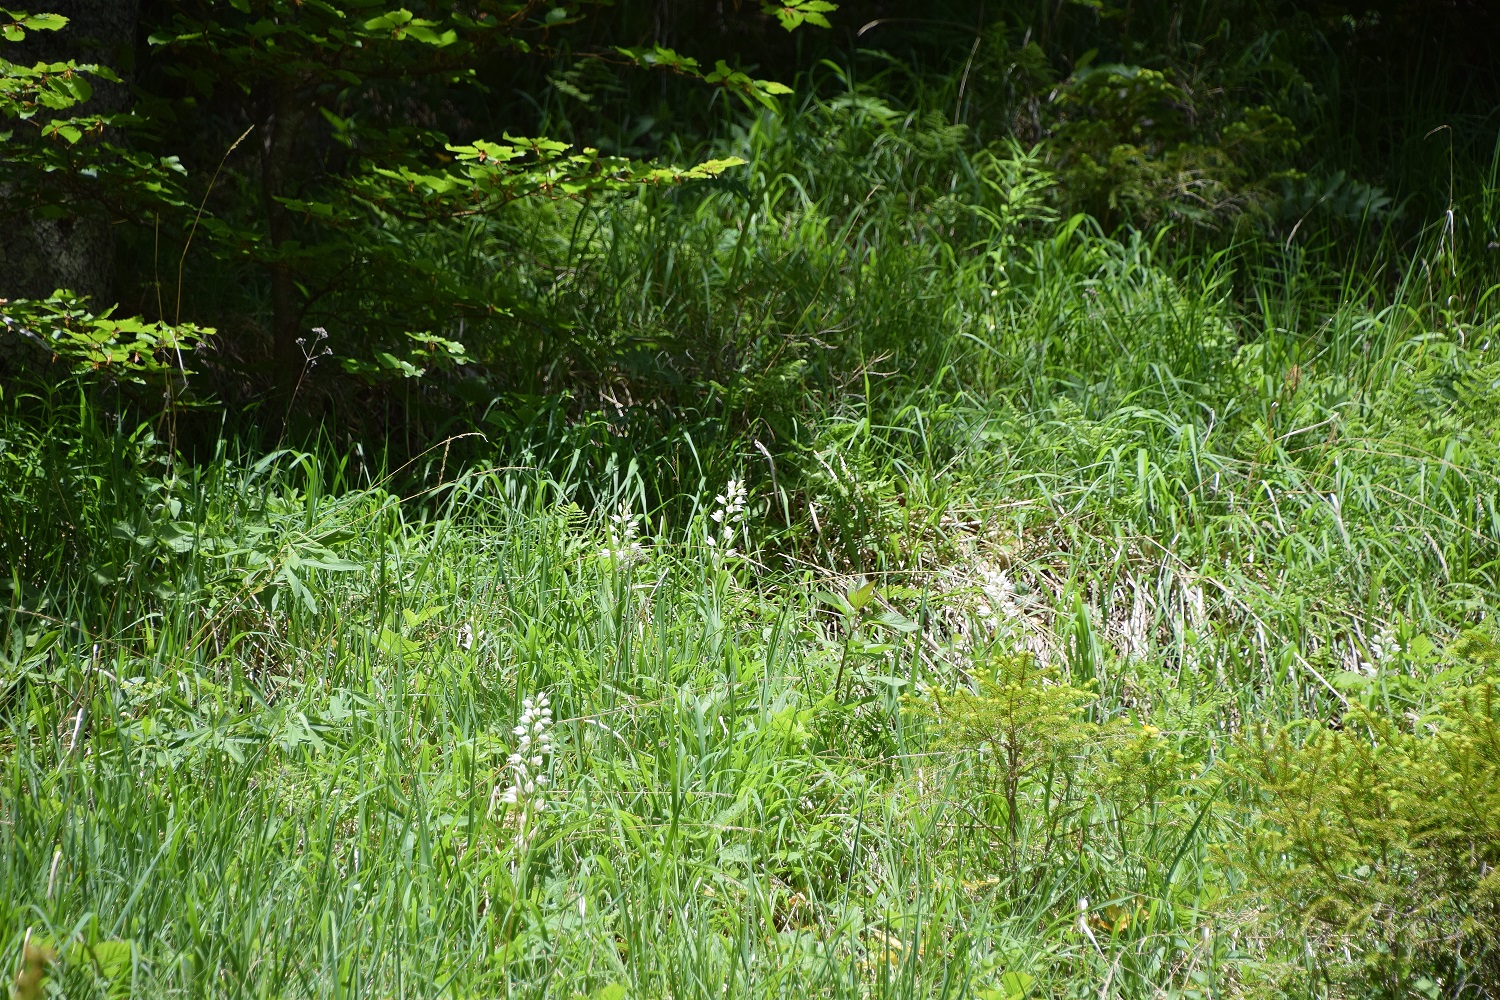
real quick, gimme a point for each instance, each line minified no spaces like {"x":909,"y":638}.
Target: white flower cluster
{"x":623,"y":544}
{"x":728,"y":514}
{"x":528,"y":764}
{"x":1382,"y":647}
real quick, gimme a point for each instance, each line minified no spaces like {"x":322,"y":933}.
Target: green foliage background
{"x":1111,"y":613}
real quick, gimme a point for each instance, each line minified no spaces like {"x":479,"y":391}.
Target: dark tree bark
{"x":40,"y":255}
{"x":280,"y":130}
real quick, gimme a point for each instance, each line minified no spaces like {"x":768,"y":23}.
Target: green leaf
{"x":393,"y":643}
{"x":834,"y":601}
{"x":723,"y":74}
{"x":64,"y":131}
{"x":440,"y":349}
{"x":860,"y":596}
{"x":659,"y":55}
{"x":707,"y":169}
{"x":394,"y":20}
{"x":392,"y":363}
{"x":333,"y":565}
{"x":896,"y":621}
{"x":1012,"y":986}
{"x":177,"y":535}
{"x":339,"y":124}
{"x":794,"y":13}
{"x":44,"y":22}
{"x":424,"y":33}
{"x":110,"y":958}
{"x":415,"y":618}
{"x":298,"y":588}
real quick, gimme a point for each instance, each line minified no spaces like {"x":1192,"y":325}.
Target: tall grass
{"x":257,"y":708}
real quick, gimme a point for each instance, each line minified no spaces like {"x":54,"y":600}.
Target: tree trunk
{"x":40,"y":255}
{"x":280,"y":133}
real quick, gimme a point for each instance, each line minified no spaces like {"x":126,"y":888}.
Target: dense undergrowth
{"x":1106,"y":612}
{"x":260,"y":707}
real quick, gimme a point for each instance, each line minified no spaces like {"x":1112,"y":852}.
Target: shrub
{"x":1383,"y":836}
{"x":1023,"y":718}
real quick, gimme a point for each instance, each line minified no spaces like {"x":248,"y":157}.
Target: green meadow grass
{"x":258,"y":708}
